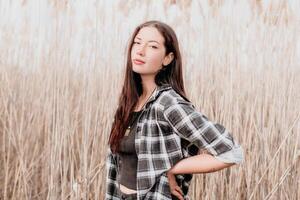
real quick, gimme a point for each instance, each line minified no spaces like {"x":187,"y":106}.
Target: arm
{"x":202,"y":163}
{"x":195,"y":127}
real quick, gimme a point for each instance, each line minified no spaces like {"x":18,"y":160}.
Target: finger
{"x":177,"y":194}
{"x":179,"y":190}
{"x":180,"y":196}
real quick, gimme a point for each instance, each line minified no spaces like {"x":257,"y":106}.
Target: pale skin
{"x":202,"y":163}
{"x":149,"y":47}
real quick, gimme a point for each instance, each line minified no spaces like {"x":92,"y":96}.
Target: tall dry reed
{"x":61,"y":71}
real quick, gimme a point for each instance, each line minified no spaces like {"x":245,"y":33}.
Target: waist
{"x":127,"y":190}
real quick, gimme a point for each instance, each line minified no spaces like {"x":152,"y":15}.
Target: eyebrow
{"x":149,"y":40}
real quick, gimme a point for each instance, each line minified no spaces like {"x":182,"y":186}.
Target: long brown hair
{"x":132,"y":88}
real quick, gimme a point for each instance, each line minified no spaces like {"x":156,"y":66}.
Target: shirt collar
{"x":157,"y":92}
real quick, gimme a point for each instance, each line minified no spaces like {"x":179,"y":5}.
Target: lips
{"x":138,"y":62}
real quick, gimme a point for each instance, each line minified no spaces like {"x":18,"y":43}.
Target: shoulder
{"x":171,"y":97}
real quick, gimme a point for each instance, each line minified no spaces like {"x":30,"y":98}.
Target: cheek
{"x":155,"y":59}
{"x":132,"y":53}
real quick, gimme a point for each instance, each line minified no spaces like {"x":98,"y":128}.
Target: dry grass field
{"x":61,"y":71}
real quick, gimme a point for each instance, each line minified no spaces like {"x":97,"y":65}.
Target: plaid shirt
{"x":170,"y":129}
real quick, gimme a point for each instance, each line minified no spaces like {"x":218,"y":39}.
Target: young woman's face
{"x":148,"y":46}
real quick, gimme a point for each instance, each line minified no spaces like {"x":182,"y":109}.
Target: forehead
{"x":150,"y":33}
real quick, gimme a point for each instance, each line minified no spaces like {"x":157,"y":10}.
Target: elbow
{"x":230,"y":164}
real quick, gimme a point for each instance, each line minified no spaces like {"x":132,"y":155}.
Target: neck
{"x":148,"y":86}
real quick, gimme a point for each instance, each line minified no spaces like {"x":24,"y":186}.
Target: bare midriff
{"x":127,"y":190}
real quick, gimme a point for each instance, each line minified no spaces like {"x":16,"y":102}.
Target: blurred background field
{"x":61,"y":71}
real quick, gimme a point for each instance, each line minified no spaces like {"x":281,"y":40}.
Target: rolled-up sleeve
{"x":195,"y":127}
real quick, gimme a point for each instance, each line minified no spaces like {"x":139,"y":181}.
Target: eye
{"x":154,"y":47}
{"x":136,"y":43}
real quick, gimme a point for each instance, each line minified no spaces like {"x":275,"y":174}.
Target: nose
{"x":141,"y":50}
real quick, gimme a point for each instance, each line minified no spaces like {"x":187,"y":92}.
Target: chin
{"x":137,"y":69}
{"x":142,"y":72}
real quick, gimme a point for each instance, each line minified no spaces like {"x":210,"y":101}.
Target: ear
{"x":168,"y":59}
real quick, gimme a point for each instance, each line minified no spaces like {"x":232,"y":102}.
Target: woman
{"x":157,"y":132}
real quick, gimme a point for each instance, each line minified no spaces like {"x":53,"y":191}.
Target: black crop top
{"x":128,"y":157}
